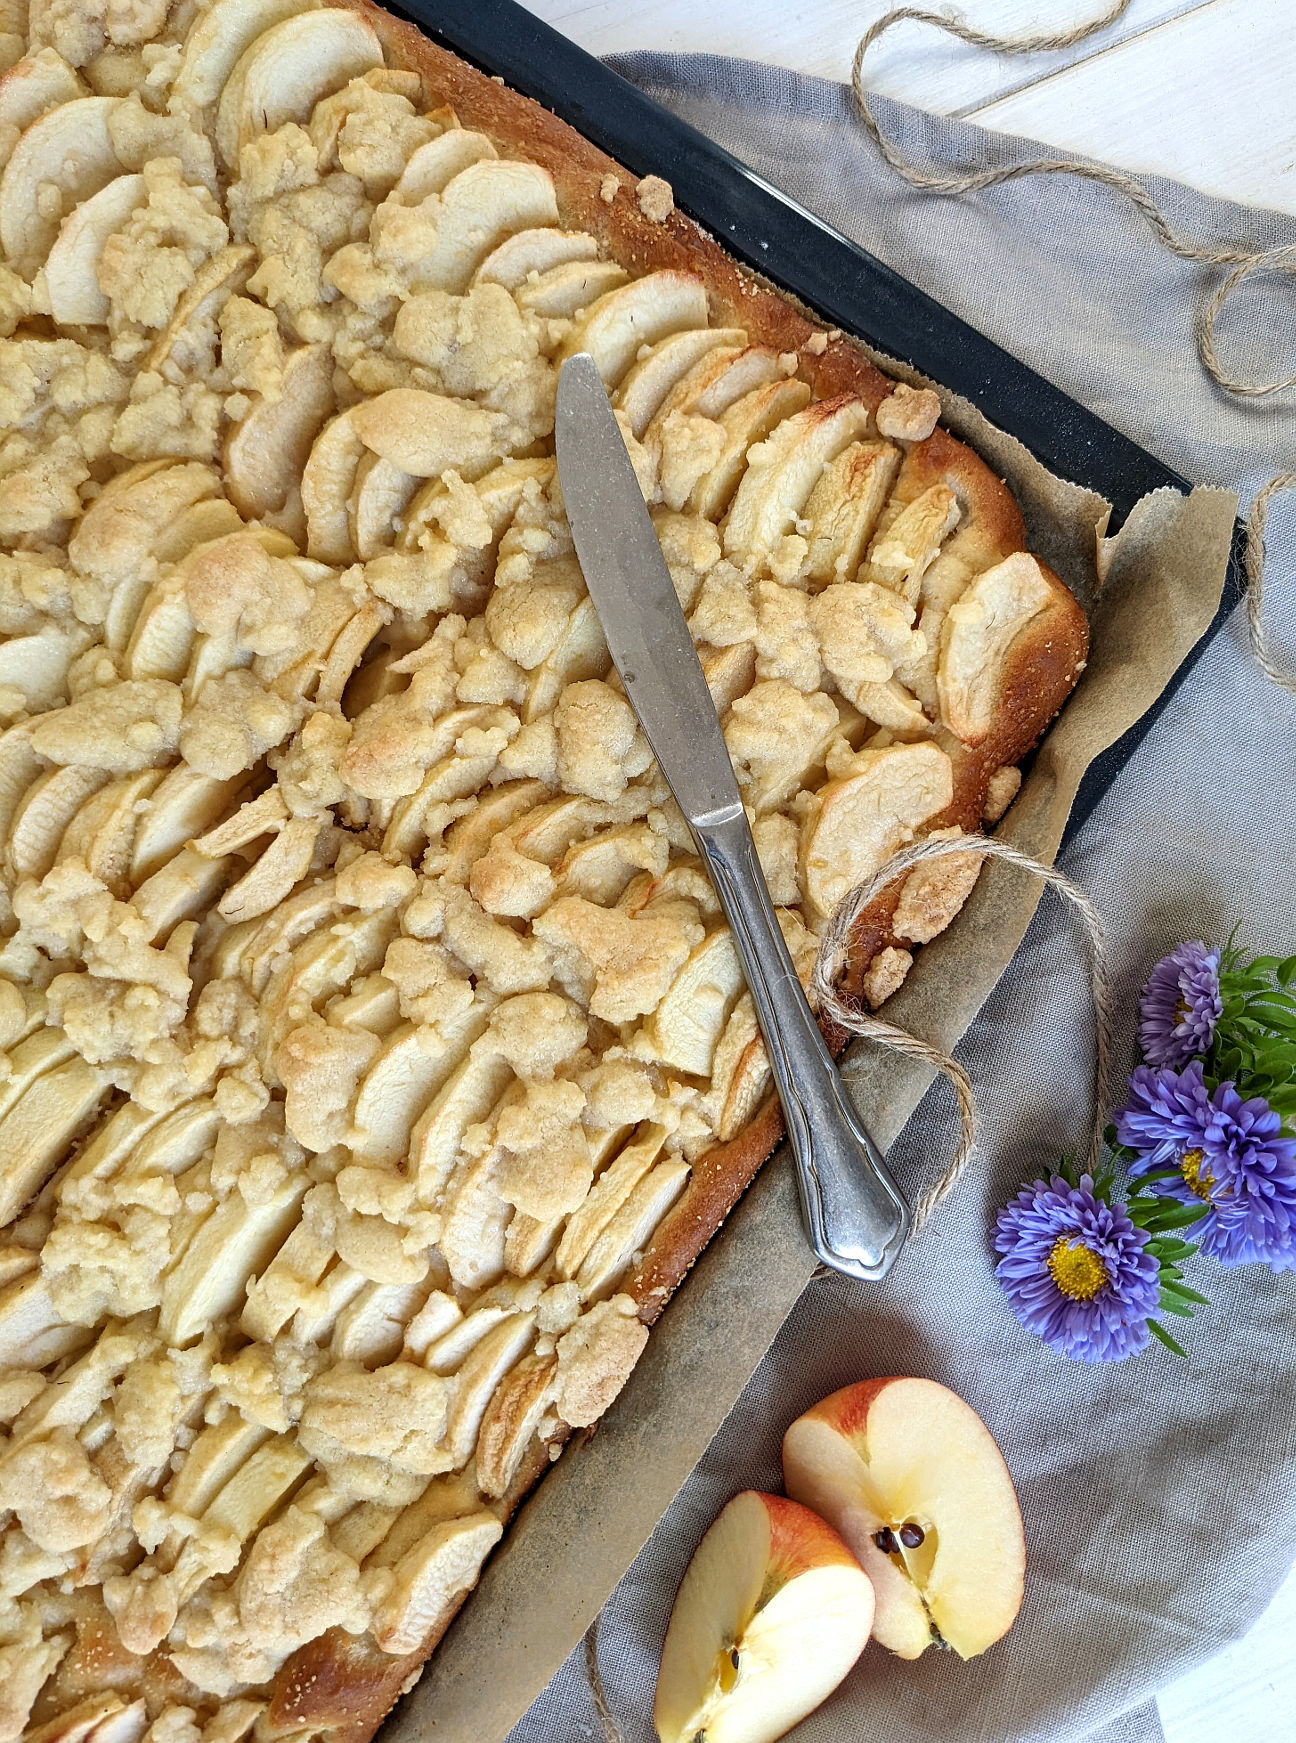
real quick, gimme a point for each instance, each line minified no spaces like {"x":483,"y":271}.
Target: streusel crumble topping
{"x":364,"y":1008}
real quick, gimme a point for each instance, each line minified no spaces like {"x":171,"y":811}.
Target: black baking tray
{"x":841,"y":281}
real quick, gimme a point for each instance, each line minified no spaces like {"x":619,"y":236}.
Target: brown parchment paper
{"x":1150,"y":593}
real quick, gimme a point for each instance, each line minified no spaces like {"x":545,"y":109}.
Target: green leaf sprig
{"x":1160,"y":1219}
{"x":1254,"y":1045}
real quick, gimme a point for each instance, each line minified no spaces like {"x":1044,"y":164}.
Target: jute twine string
{"x":1244,"y":261}
{"x":834,"y":952}
{"x":607,"y":1724}
{"x":1255,"y":563}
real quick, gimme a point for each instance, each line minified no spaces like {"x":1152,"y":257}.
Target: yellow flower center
{"x":1198,"y":1181}
{"x":1077,"y":1271}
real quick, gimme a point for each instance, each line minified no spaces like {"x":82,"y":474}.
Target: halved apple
{"x":438,"y":161}
{"x":564,"y":291}
{"x":911,"y":1478}
{"x":285,"y":71}
{"x":518,"y":256}
{"x":771,"y":1614}
{"x":31,"y":87}
{"x":69,"y":148}
{"x":480,"y":206}
{"x":636,"y":314}
{"x":217,"y":40}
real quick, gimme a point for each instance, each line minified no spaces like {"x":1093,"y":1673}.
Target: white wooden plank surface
{"x":819,"y":36}
{"x":1245,"y":1693}
{"x":1195,"y":89}
{"x":1206,"y":98}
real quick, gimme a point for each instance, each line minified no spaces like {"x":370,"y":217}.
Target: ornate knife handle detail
{"x":854,"y":1213}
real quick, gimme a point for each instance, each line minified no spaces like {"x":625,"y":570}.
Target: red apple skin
{"x":799,"y":1540}
{"x":980,"y":1602}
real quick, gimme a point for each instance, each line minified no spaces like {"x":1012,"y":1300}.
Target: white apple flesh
{"x":910,"y":1477}
{"x":772,"y":1612}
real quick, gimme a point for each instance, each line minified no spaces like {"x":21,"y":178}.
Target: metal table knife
{"x":855,"y":1216}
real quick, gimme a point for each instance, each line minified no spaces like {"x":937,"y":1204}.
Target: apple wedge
{"x":484,"y":203}
{"x":772,"y":1612}
{"x":747,"y":421}
{"x":217,"y":40}
{"x":911,"y":1478}
{"x":182,"y":342}
{"x":30,"y":88}
{"x":686,"y":1027}
{"x":856,"y":823}
{"x":285,"y":71}
{"x":379,"y":498}
{"x":641,"y":394}
{"x":844,"y":506}
{"x":978,"y":637}
{"x":265,"y":453}
{"x":116,"y":534}
{"x":718,"y":380}
{"x":326,"y":483}
{"x":68,"y":148}
{"x":438,"y":161}
{"x":639,"y":313}
{"x":518,"y":256}
{"x":37,"y":665}
{"x":568,"y":290}
{"x":783,"y":470}
{"x":72,"y":266}
{"x":426,"y":433}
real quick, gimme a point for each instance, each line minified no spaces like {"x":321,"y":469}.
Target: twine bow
{"x":834,"y":951}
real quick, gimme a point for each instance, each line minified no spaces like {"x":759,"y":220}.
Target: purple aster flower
{"x":1076,"y":1271}
{"x":1231,"y":1154}
{"x":1167,"y":1113}
{"x":1180,"y":1005}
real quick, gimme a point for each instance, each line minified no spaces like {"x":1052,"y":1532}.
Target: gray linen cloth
{"x":1159,"y":1495}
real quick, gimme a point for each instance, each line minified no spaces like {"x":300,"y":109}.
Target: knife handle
{"x":854,"y":1214}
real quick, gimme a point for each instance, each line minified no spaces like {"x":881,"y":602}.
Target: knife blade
{"x":855,"y":1216}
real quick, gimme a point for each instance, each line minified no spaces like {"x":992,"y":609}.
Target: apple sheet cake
{"x":375,"y":1057}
